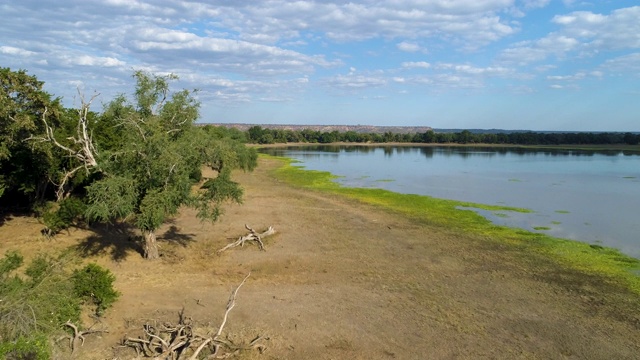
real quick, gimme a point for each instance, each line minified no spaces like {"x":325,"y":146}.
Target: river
{"x":581,"y":195}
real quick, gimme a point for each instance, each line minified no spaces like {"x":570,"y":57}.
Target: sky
{"x":558,"y":65}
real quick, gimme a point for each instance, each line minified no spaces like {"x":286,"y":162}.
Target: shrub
{"x":35,"y":306}
{"x":95,"y":284}
{"x":41,"y":302}
{"x":67,"y":212}
{"x":35,"y":347}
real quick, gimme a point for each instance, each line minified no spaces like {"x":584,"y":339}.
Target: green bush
{"x":41,"y":301}
{"x":95,"y":284}
{"x":35,"y":347}
{"x":64,"y":215}
{"x":12,"y":260}
{"x":35,"y":305}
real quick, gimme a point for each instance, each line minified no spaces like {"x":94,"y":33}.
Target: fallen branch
{"x":78,"y":336}
{"x":177,"y":341}
{"x":251,"y":236}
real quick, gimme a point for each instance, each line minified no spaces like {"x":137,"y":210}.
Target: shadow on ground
{"x":121,"y":239}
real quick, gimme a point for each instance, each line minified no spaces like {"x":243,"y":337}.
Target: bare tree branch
{"x":84,"y":151}
{"x":78,"y":336}
{"x":175,"y":342}
{"x":252,"y":236}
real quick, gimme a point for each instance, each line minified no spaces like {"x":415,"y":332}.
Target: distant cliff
{"x":370,"y":129}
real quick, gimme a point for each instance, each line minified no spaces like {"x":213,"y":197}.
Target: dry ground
{"x":342,"y":280}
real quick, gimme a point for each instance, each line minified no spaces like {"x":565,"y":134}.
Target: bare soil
{"x":343,"y":280}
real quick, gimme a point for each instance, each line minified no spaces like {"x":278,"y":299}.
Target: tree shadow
{"x":8,"y":213}
{"x":4,"y":217}
{"x":119,"y":240}
{"x":173,"y":234}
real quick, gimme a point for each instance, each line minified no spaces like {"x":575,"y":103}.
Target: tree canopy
{"x":138,"y":161}
{"x":24,"y":166}
{"x":150,"y":171}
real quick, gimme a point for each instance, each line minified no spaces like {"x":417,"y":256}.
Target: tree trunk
{"x":150,"y":247}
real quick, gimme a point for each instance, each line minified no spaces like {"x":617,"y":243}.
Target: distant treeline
{"x":259,"y":135}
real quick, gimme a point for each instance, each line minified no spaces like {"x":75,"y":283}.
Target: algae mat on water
{"x":608,"y":262}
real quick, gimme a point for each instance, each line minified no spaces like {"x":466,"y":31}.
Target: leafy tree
{"x":148,"y":174}
{"x":631,"y":139}
{"x":464,"y":137}
{"x":255,"y":133}
{"x":25,"y":166}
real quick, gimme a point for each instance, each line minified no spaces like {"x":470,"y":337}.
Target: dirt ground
{"x":343,"y":280}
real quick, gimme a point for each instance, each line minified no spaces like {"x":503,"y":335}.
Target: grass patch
{"x":629,"y":177}
{"x":541,"y":228}
{"x":500,"y":215}
{"x":556,"y":222}
{"x":562,"y":212}
{"x":385,"y":180}
{"x":607,"y":262}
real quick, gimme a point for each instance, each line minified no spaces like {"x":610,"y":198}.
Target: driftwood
{"x":176,"y":342}
{"x":251,"y":236}
{"x":78,"y":336}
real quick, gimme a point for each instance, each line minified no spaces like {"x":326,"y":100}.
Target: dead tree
{"x":176,"y":342}
{"x":81,"y":148}
{"x":251,"y":236}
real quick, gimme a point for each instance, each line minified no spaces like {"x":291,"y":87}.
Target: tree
{"x":149,"y":174}
{"x":631,"y":139}
{"x":255,"y":133}
{"x":25,"y":167}
{"x":79,"y":148}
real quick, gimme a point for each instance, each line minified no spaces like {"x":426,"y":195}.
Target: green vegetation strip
{"x":619,"y":268}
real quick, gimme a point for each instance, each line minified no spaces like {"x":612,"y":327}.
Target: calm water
{"x":587,"y":196}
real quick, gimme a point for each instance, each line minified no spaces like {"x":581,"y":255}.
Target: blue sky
{"x":510,"y":64}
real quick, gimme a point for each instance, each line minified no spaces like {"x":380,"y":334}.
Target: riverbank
{"x":631,"y":149}
{"x":343,"y":279}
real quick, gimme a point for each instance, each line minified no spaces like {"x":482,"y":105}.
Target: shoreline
{"x":624,"y":245}
{"x":580,"y":255}
{"x":344,"y":278}
{"x":633,"y":149}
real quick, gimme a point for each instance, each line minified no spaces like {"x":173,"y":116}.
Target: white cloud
{"x":534,"y":4}
{"x":533,"y":51}
{"x":87,"y":60}
{"x":574,"y":77}
{"x":626,"y":64}
{"x":618,"y":30}
{"x":408,"y":46}
{"x":475,"y":71}
{"x":416,"y":64}
{"x":582,"y":32}
{"x":353,"y":82}
{"x":473,"y":21}
{"x":10,"y":50}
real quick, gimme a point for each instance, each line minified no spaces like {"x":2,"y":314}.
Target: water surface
{"x":587,"y":196}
